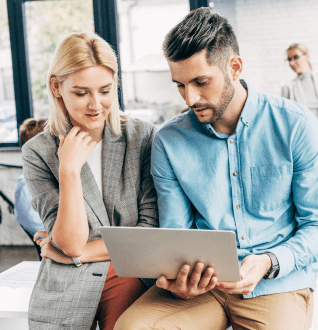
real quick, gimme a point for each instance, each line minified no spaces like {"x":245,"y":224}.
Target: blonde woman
{"x":89,"y":168}
{"x":304,"y":87}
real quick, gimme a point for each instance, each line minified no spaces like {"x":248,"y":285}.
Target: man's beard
{"x":222,"y":105}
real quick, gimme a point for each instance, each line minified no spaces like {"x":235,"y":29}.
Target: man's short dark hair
{"x":29,"y":128}
{"x":202,"y":29}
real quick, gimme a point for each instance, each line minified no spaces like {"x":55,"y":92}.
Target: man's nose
{"x":191,"y":97}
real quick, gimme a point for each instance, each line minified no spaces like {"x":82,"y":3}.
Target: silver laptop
{"x":152,"y":252}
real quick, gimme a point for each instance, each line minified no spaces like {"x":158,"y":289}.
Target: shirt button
{"x":231,"y":141}
{"x":247,"y":122}
{"x":234,"y":173}
{"x":238,"y":207}
{"x":243,"y":238}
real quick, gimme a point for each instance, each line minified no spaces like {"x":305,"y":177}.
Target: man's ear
{"x":236,"y":67}
{"x":55,"y":87}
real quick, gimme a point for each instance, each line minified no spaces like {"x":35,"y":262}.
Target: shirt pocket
{"x":271,"y":185}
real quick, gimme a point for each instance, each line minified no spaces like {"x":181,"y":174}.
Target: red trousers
{"x":118,"y":294}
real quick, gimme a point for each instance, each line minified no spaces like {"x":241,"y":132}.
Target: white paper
{"x":22,"y":275}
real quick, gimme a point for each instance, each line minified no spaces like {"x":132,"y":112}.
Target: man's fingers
{"x":196,"y":274}
{"x":162,"y":283}
{"x":40,"y":233}
{"x":245,"y":290}
{"x":183,"y":275}
{"x":212,"y":283}
{"x":205,"y":280}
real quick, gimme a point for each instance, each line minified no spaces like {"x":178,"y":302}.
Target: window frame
{"x":106,"y":28}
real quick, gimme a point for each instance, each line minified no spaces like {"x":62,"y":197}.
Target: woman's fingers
{"x":40,"y":233}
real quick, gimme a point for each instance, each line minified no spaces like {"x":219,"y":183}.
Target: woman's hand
{"x":48,"y":251}
{"x":74,"y":150}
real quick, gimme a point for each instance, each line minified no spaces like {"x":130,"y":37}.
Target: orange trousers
{"x":118,"y":294}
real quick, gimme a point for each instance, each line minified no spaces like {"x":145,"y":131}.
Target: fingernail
{"x":159,"y":281}
{"x":217,"y":284}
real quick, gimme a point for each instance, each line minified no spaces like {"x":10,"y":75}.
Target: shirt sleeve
{"x":42,"y":185}
{"x":25,"y":215}
{"x":301,"y":249}
{"x":175,"y":209}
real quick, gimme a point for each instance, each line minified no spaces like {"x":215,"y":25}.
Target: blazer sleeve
{"x":147,"y":198}
{"x":42,"y":184}
{"x":285,"y":92}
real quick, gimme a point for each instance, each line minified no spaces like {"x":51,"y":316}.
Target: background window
{"x":8,"y":121}
{"x":47,"y":22}
{"x":148,"y":91}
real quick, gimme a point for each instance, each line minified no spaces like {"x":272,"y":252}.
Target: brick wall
{"x":265,"y":28}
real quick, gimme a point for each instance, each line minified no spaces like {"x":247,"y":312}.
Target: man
{"x":237,"y":160}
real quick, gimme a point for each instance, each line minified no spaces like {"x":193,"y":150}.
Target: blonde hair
{"x":302,"y":47}
{"x":77,"y":51}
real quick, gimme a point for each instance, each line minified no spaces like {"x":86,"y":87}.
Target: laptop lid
{"x":152,"y":252}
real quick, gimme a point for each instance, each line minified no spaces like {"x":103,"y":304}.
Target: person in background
{"x":89,"y":168}
{"x":27,"y":217}
{"x":242,"y":161}
{"x":304,"y":87}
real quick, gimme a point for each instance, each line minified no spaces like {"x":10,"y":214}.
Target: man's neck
{"x":227,"y":123}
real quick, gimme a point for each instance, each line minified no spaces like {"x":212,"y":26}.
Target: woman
{"x":91,"y":167}
{"x":304,"y":87}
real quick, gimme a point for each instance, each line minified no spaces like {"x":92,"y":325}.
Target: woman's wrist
{"x":69,"y":172}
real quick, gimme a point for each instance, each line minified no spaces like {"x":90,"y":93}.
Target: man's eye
{"x":201,"y":83}
{"x":180,"y":86}
{"x":105,"y":92}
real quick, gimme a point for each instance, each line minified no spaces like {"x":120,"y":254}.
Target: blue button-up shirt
{"x":261,"y":182}
{"x":23,"y":211}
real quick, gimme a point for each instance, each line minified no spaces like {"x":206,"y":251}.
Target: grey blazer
{"x":294,"y":91}
{"x":66,"y":296}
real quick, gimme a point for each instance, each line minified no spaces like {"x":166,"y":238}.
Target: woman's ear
{"x":236,"y":67}
{"x":55,"y":87}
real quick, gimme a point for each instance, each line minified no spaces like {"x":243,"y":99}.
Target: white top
{"x":95,"y":163}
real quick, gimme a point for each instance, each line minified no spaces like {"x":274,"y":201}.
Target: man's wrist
{"x":267,"y":264}
{"x":274,"y":269}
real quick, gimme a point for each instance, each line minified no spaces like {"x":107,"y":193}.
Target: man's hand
{"x":48,"y":251}
{"x":253,"y":269}
{"x":187,"y":288}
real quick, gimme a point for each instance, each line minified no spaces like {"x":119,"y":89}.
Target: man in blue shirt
{"x":237,"y":160}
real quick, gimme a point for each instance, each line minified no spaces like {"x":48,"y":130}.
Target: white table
{"x":16,"y":286}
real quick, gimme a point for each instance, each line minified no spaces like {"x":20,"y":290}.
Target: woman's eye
{"x":105,"y":92}
{"x":80,"y":94}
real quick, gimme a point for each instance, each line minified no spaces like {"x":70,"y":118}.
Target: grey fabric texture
{"x":294,"y":90}
{"x":66,"y":296}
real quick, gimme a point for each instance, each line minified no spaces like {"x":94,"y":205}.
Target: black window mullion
{"x":106,"y":26}
{"x":194,"y":4}
{"x":20,"y":63}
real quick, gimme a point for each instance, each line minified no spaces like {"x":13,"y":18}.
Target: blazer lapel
{"x":93,"y":197}
{"x":113,"y":154}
